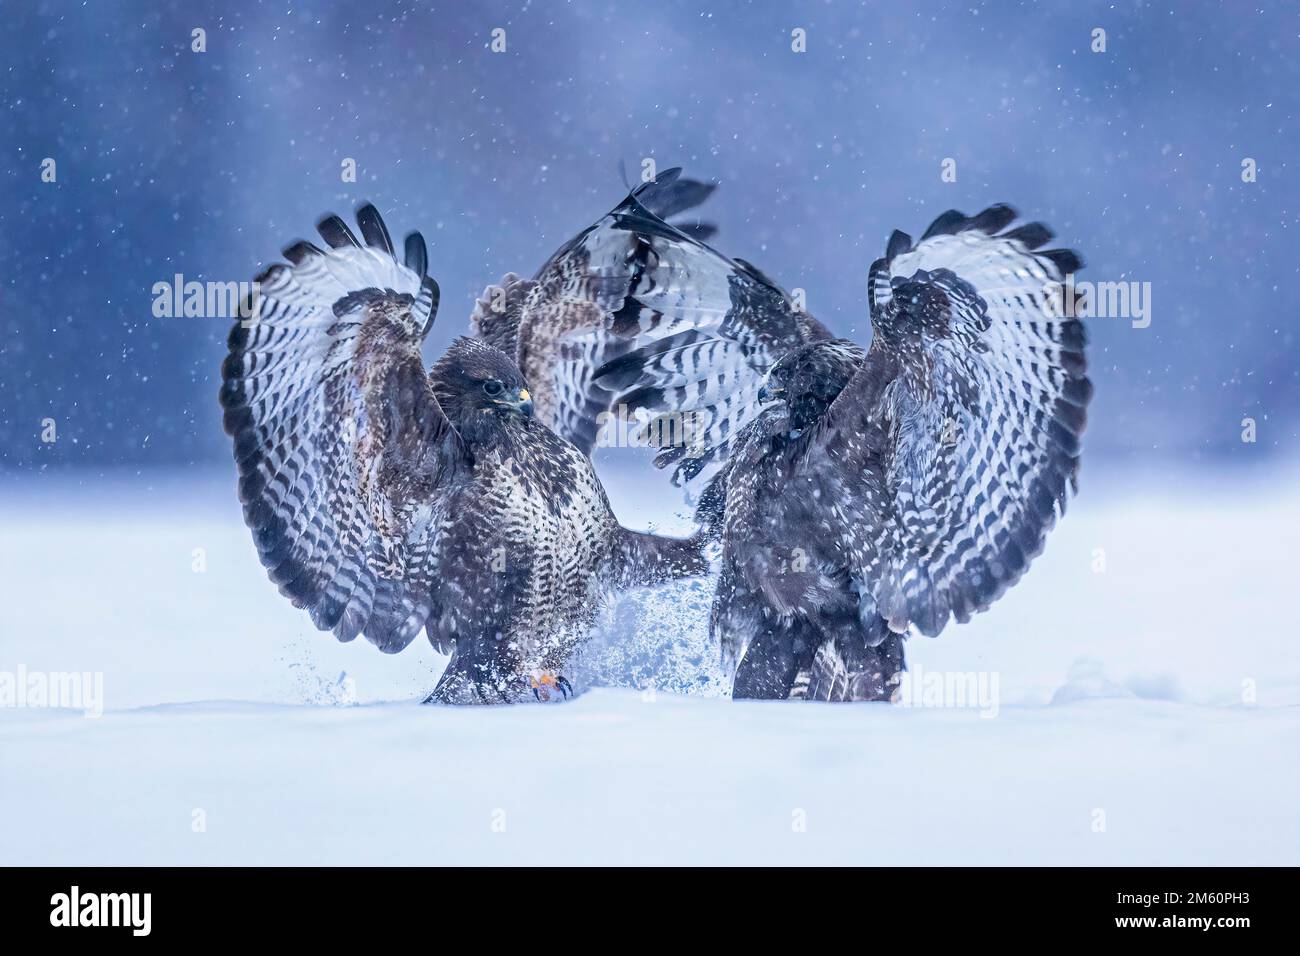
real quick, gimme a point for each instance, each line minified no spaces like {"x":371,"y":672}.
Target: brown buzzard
{"x":386,"y":499}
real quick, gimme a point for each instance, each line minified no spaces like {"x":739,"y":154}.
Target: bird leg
{"x":546,"y":683}
{"x":470,"y":678}
{"x":771,"y":665}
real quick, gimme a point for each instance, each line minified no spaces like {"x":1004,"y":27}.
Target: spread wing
{"x":340,"y":445}
{"x":703,"y":330}
{"x":578,"y":313}
{"x":960,"y":434}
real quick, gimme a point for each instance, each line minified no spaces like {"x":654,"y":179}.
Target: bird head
{"x":480,"y":389}
{"x":809,"y":378}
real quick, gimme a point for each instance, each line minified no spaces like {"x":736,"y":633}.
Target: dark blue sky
{"x":208,"y":163}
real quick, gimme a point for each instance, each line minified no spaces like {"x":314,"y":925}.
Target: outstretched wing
{"x":703,"y":330}
{"x":960,"y":434}
{"x":340,"y":445}
{"x":575,"y":315}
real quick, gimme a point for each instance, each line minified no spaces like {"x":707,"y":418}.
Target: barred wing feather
{"x":703,"y":330}
{"x":577,"y":313}
{"x":328,"y":364}
{"x":963,"y":426}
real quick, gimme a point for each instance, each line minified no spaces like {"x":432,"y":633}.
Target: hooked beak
{"x":770,"y":392}
{"x":522,"y":402}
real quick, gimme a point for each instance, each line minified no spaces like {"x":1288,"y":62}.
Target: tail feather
{"x":869,"y":673}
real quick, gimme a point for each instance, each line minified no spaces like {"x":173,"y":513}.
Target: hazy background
{"x":208,"y":163}
{"x":1146,"y":664}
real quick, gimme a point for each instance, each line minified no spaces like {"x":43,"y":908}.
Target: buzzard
{"x":386,"y":499}
{"x":860,"y":493}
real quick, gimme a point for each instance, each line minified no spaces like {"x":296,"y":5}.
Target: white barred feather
{"x":984,"y":416}
{"x":293,"y":408}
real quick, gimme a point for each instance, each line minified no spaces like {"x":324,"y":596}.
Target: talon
{"x":546,"y":683}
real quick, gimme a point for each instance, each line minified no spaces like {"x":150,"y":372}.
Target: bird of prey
{"x":386,"y":499}
{"x":860,"y":493}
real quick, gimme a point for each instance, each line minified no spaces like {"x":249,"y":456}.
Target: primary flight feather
{"x":387,"y":499}
{"x":862,"y":493}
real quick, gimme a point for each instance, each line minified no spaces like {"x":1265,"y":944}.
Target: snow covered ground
{"x":1147,"y":709}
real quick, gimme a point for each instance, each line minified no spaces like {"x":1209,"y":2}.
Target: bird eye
{"x":493,"y":387}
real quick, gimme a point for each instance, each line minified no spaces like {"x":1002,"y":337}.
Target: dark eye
{"x":493,"y":387}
